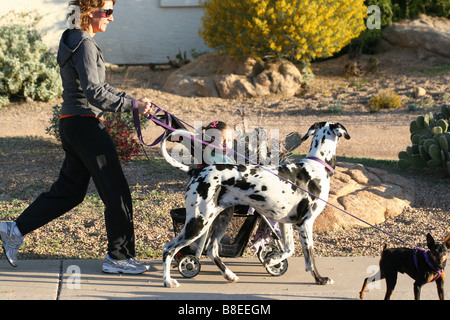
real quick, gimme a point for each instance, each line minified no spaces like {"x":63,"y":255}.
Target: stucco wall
{"x":143,"y":31}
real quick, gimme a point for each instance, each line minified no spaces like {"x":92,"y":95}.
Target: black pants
{"x":90,"y":152}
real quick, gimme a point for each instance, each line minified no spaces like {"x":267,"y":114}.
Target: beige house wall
{"x":143,"y":31}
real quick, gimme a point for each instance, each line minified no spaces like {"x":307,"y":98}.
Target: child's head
{"x":219,"y":131}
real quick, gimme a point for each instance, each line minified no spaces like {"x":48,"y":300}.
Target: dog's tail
{"x":173,"y":162}
{"x":383,"y":251}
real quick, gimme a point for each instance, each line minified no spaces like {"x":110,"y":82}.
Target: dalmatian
{"x":292,"y":194}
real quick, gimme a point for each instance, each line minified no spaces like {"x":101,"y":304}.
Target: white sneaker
{"x":11,"y":242}
{"x":129,"y":266}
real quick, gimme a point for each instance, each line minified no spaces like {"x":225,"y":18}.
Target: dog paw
{"x":325,"y":281}
{"x":171,"y":283}
{"x":230,"y":276}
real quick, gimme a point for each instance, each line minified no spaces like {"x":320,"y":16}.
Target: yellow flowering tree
{"x":299,"y":30}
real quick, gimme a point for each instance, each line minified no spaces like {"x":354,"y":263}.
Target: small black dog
{"x":422,"y":265}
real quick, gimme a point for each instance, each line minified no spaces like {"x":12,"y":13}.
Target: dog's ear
{"x":339,"y":130}
{"x":430,"y":241}
{"x":447,"y":241}
{"x":312,"y":130}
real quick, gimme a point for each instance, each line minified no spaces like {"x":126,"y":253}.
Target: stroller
{"x":234,"y":243}
{"x":266,"y":241}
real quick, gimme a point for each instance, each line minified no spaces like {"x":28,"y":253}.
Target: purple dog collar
{"x":439,"y":271}
{"x":326,"y":165}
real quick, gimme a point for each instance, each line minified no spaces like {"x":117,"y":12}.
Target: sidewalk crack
{"x":60,"y":280}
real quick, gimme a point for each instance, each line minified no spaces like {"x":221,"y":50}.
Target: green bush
{"x":27,"y":68}
{"x":53,"y":128}
{"x":430,"y":139}
{"x":407,"y":9}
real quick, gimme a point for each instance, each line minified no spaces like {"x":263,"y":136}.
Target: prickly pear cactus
{"x":430,"y":139}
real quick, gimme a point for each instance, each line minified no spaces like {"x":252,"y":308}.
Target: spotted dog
{"x":218,"y":187}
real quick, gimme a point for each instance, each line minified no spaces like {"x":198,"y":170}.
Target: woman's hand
{"x":144,"y":107}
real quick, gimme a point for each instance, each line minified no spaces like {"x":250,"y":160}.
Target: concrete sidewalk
{"x":84,"y":280}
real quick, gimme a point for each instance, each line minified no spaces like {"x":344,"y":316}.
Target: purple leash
{"x":137,"y":124}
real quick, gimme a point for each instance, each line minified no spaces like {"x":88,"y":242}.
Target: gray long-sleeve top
{"x":83,"y":76}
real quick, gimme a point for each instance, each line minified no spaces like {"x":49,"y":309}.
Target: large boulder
{"x":426,"y":35}
{"x":215,"y":75}
{"x":370,"y":194}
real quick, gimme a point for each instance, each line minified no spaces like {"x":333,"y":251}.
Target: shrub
{"x":430,"y":139}
{"x":120,"y":127}
{"x":403,"y":9}
{"x":53,"y":128}
{"x":299,"y":30}
{"x":385,"y":99}
{"x":27,"y":68}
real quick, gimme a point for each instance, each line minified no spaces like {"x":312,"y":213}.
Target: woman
{"x":89,"y":150}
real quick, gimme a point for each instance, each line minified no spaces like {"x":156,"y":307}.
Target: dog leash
{"x":137,"y":123}
{"x":168,"y":127}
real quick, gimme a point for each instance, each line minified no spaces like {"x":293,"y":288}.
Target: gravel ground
{"x":30,"y":160}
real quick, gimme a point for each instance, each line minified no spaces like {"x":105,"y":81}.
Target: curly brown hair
{"x":87,"y":6}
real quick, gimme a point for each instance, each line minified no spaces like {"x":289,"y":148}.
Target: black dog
{"x":422,"y":265}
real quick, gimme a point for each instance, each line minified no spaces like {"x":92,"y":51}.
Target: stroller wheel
{"x":264,"y":251}
{"x":278,"y":269}
{"x":269,"y":250}
{"x":189,"y":266}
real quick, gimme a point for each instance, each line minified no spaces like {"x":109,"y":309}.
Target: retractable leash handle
{"x":137,"y":123}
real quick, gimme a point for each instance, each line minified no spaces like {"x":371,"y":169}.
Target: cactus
{"x":430,"y":139}
{"x":445,"y":110}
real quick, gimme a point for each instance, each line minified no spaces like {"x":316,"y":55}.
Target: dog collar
{"x":439,"y":271}
{"x":326,"y":165}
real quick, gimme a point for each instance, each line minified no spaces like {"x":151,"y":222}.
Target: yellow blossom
{"x":300,"y":30}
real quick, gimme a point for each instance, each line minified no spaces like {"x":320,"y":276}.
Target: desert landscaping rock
{"x":214,"y":75}
{"x":370,"y":194}
{"x":419,"y":92}
{"x":429,"y":36}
